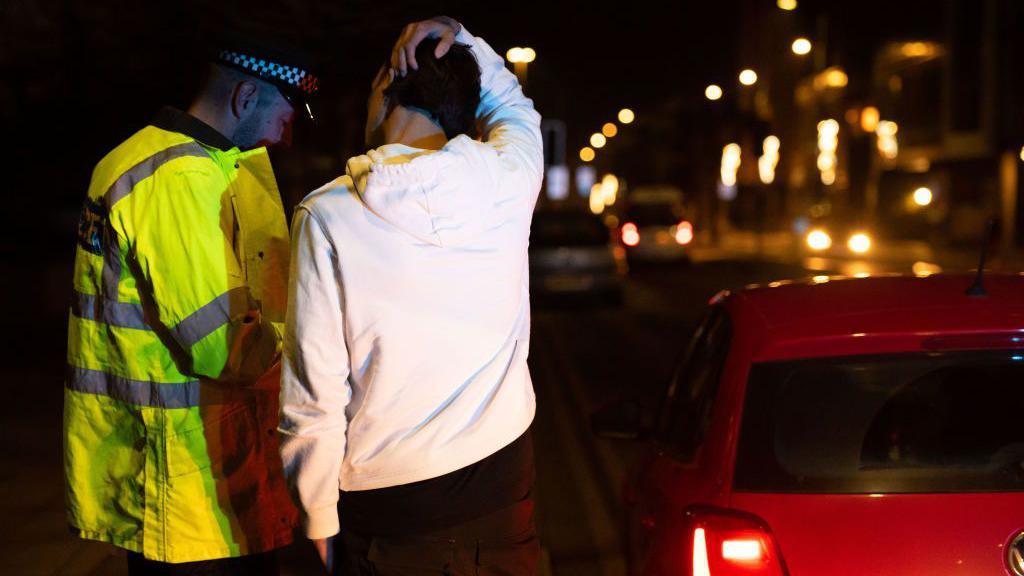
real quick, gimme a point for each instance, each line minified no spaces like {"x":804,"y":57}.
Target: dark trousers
{"x":503,"y":543}
{"x":264,"y":564}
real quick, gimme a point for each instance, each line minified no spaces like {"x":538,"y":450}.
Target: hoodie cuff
{"x":322,"y":523}
{"x":464,"y":37}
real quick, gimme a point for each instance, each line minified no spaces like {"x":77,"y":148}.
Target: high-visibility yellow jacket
{"x":170,"y":405}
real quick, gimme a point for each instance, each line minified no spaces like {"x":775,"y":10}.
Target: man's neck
{"x":414,"y":129}
{"x":212,"y":117}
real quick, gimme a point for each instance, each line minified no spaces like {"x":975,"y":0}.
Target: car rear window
{"x":550,"y":230}
{"x":653,"y":214}
{"x":937,"y":422}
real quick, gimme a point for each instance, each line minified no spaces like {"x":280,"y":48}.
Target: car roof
{"x":828,"y":314}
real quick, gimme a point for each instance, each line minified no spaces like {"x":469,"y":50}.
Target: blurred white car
{"x":655,"y":232}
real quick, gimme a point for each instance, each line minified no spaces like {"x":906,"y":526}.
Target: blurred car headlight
{"x":818,"y":240}
{"x":859,"y":243}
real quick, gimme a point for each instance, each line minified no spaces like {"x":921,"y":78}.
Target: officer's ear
{"x":244,"y":99}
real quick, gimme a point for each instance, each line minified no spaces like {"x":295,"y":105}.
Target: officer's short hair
{"x":447,"y":88}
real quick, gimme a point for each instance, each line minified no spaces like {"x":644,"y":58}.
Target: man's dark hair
{"x":448,"y":89}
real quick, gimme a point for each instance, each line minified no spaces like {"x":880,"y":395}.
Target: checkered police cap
{"x":296,"y":83}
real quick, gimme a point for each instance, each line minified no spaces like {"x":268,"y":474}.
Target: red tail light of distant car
{"x":630,"y":234}
{"x":684,"y":233}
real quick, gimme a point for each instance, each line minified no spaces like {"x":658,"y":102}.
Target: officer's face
{"x":270,"y":124}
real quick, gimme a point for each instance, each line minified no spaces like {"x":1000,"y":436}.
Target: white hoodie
{"x":409,"y":317}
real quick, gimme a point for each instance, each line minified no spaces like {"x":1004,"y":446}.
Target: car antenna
{"x":977,"y":289}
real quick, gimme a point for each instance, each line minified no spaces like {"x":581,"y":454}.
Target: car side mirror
{"x":621,"y":421}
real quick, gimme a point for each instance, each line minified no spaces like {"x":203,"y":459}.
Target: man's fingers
{"x":414,"y":40}
{"x":401,"y":68}
{"x":447,"y":39}
{"x":403,"y":55}
{"x":397,"y":51}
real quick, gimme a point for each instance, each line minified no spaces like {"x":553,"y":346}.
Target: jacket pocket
{"x":220,"y":438}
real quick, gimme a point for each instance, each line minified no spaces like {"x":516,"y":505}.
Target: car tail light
{"x":730,"y":543}
{"x":630,"y":234}
{"x":684,"y":233}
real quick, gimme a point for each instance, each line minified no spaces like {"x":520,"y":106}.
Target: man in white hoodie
{"x":405,"y":381}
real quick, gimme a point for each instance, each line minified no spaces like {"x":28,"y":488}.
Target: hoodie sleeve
{"x":314,"y":379}
{"x":511,"y":126}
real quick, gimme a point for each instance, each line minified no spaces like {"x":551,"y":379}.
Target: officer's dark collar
{"x":174,"y":120}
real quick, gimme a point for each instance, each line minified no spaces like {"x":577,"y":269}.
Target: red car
{"x":842,"y":427}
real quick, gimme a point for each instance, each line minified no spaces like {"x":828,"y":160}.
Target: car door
{"x":674,"y":477}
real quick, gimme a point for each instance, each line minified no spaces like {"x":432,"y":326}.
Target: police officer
{"x":170,"y":404}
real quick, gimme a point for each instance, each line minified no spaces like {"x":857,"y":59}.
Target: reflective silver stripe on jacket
{"x":125,"y":183}
{"x":121,"y":188}
{"x":99,"y":309}
{"x":211,"y":316}
{"x":137,"y":392}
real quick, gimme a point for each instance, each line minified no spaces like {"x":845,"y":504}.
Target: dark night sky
{"x":80,"y":76}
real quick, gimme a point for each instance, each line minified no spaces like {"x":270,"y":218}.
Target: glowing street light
{"x":609,"y":130}
{"x":520,"y":59}
{"x":587,"y":154}
{"x":597,"y":198}
{"x":597,"y":140}
{"x":828,"y":143}
{"x":626,"y":116}
{"x":834,"y":77}
{"x":923,"y":196}
{"x":731,"y":160}
{"x":869,"y":118}
{"x":713,"y":92}
{"x":769,"y":159}
{"x":801,"y":46}
{"x":748,"y":77}
{"x":787,"y":5}
{"x":609,"y":189}
{"x":888,"y":142}
{"x":519,"y":55}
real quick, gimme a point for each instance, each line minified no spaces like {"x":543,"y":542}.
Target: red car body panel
{"x":838,"y":534}
{"x":892,"y":534}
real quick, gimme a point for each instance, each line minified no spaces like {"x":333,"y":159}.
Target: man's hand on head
{"x":403,"y":55}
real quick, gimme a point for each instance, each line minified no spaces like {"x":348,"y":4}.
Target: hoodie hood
{"x":442,"y":197}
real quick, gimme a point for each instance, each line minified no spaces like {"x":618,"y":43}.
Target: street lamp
{"x":869,"y":118}
{"x":597,"y":140}
{"x":787,"y":5}
{"x":626,"y":116}
{"x":520,"y":58}
{"x":748,"y":77}
{"x":609,"y":129}
{"x":923,"y":196}
{"x":713,"y":92}
{"x":519,"y":55}
{"x":801,"y":46}
{"x":587,"y":154}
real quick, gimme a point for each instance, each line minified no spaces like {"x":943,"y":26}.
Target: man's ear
{"x":244,"y":98}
